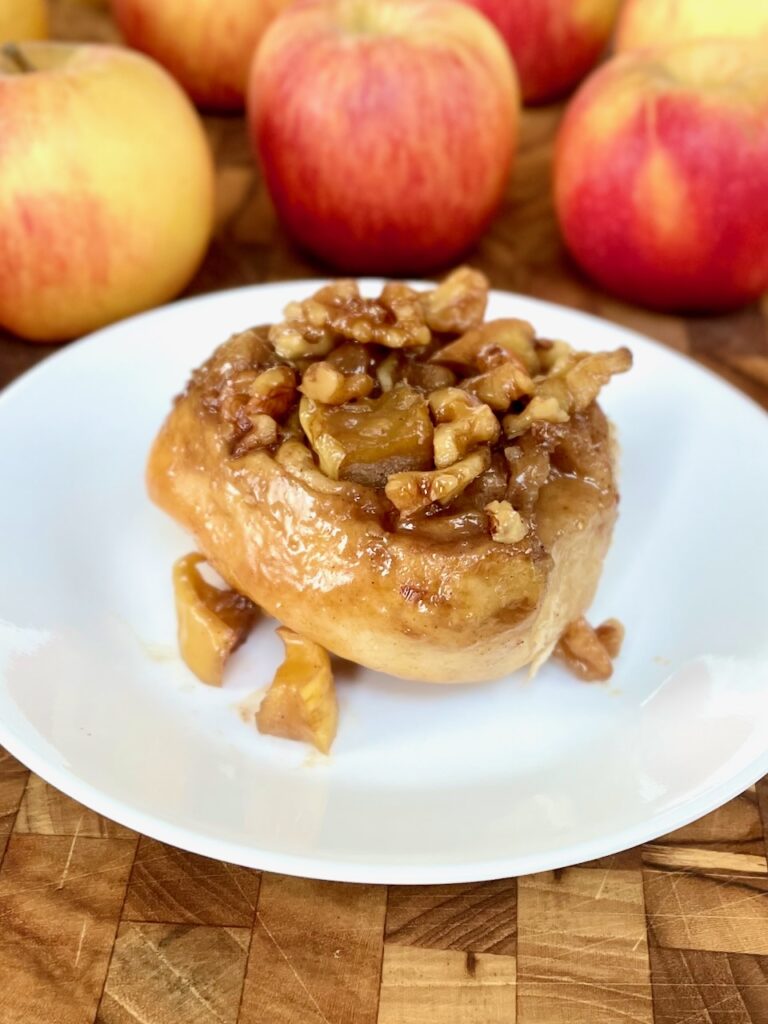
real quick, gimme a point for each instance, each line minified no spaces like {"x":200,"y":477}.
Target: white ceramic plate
{"x":425,"y":784}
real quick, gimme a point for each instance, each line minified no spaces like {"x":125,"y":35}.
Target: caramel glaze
{"x":429,"y":596}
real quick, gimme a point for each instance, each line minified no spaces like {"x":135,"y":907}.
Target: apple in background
{"x":647,"y":23}
{"x":661,"y":175}
{"x":207,"y":45}
{"x":106,"y":187}
{"x":386,"y":130}
{"x":23,"y":19}
{"x":555,"y":43}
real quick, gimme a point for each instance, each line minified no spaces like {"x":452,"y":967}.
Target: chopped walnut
{"x":587,"y":653}
{"x":324,"y":383}
{"x":590,"y":373}
{"x":272,"y":392}
{"x":249,"y":394}
{"x":611,"y":635}
{"x":307,"y":329}
{"x":412,"y":492}
{"x":264,"y":433}
{"x":554,"y":356}
{"x":388,"y":371}
{"x":500,"y":386}
{"x":507,"y":525}
{"x":338,"y":313}
{"x":491,"y":344}
{"x":463,"y":423}
{"x":458,"y":303}
{"x":547,"y":410}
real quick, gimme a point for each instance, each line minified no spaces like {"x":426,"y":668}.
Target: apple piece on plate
{"x":649,"y":23}
{"x":386,"y":130}
{"x":106,"y":188}
{"x":554,"y":42}
{"x":22,"y":20}
{"x":661,"y":175}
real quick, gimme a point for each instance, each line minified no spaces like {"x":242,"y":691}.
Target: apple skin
{"x":554,"y":43}
{"x":649,"y":23}
{"x":386,"y":130}
{"x":207,"y":45}
{"x":21,"y":20}
{"x":661,"y":176}
{"x":106,"y":189}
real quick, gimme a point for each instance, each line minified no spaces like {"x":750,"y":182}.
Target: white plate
{"x":425,"y":784}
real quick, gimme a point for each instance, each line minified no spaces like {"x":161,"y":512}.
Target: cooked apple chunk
{"x":212,"y":622}
{"x":301,"y":701}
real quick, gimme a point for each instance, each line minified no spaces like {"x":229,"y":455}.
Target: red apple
{"x":106,"y":187}
{"x":661,"y":175}
{"x":207,"y":45}
{"x":648,"y":23}
{"x":554,"y":42}
{"x":386,"y":129}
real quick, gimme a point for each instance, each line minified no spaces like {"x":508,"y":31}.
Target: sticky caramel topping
{"x":426,"y":416}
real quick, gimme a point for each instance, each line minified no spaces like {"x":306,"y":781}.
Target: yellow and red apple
{"x":23,"y":19}
{"x":661,"y":176}
{"x":386,"y":130}
{"x":649,"y":23}
{"x":207,"y":45}
{"x":555,"y":43}
{"x":106,"y":188}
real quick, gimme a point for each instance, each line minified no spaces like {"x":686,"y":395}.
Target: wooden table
{"x":99,"y":924}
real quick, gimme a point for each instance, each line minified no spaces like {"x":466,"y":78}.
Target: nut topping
{"x":458,"y":303}
{"x":463,"y":423}
{"x":409,"y":403}
{"x":324,"y":383}
{"x":412,"y":492}
{"x":507,"y":526}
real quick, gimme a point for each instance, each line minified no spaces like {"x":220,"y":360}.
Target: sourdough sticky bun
{"x":396,"y":479}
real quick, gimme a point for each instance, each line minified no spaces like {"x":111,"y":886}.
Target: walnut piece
{"x":611,"y":635}
{"x":588,"y":652}
{"x":264,"y":433}
{"x":507,"y":525}
{"x":458,"y":303}
{"x":338,"y":313}
{"x":490,"y":344}
{"x":538,"y":410}
{"x":324,"y":383}
{"x":500,"y":386}
{"x":412,"y":492}
{"x":463,"y":423}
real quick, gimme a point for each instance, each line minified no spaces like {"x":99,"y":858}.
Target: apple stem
{"x":16,"y":57}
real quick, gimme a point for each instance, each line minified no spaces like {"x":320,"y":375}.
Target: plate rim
{"x":335,"y":868}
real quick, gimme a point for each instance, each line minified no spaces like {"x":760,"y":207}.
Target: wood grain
{"x":60,"y":901}
{"x":316,"y":953}
{"x":691,"y":986}
{"x":477,"y":918}
{"x":172,"y":886}
{"x":13,"y":781}
{"x":716,"y":912}
{"x":173,"y":973}
{"x":582,"y":949}
{"x":47,"y":812}
{"x":446,"y":986}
